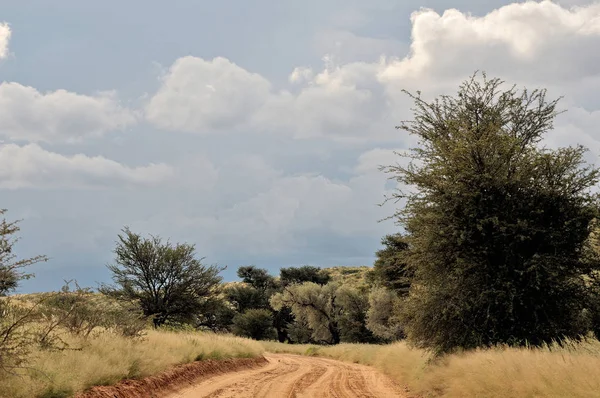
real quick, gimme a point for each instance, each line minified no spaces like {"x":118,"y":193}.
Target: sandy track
{"x":287,"y":376}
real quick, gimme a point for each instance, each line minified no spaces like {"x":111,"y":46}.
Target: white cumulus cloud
{"x":5,"y":33}
{"x":31,"y":166}
{"x":539,"y":43}
{"x":533,"y":40}
{"x":58,"y":116}
{"x":206,"y":96}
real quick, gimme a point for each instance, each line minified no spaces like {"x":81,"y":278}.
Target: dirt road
{"x":287,"y":376}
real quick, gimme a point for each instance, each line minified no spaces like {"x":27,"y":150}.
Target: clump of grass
{"x":568,"y":370}
{"x":108,"y":358}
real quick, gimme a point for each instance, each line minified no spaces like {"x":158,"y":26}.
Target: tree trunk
{"x":335,"y":332}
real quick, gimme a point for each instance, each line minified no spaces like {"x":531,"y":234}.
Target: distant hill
{"x":353,"y":276}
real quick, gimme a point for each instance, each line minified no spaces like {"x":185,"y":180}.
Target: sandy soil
{"x":287,"y":376}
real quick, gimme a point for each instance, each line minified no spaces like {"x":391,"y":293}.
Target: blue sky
{"x":253,"y":129}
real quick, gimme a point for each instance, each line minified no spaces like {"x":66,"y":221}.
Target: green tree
{"x":258,"y":278}
{"x":317,"y":305}
{"x":496,"y":224}
{"x":255,"y":323}
{"x":216,"y":315}
{"x":258,"y":287}
{"x":303,"y":274}
{"x":390,"y":269}
{"x":244,"y":297}
{"x":352,"y":320}
{"x":332,"y":312}
{"x":383,"y":315}
{"x":168,"y":281}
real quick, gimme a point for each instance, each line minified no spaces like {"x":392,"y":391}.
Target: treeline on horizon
{"x":498,"y":245}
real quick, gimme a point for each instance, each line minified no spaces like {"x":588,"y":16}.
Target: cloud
{"x":267,"y":195}
{"x":545,"y":41}
{"x":31,"y":166}
{"x":348,"y":47}
{"x":287,"y":212}
{"x":216,"y":96}
{"x":206,"y":96}
{"x":5,"y":34}
{"x":58,"y":116}
{"x":527,"y":42}
{"x":369,"y":162}
{"x":341,"y":102}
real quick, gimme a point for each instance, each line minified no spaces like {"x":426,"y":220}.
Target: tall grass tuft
{"x":568,"y":370}
{"x":109,"y":358}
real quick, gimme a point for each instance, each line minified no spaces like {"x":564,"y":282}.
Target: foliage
{"x":16,"y":337}
{"x":299,"y":330}
{"x":306,"y":273}
{"x":352,"y":321}
{"x":244,"y":297}
{"x":331,"y":311}
{"x":390,"y":269}
{"x":216,"y":315}
{"x":497,"y":226}
{"x":255,"y":323}
{"x":82,"y":312}
{"x":257,"y":278}
{"x":11,"y":268}
{"x":383,"y":314}
{"x":168,"y":281}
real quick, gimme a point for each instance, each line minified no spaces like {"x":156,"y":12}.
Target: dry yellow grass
{"x":108,"y":358}
{"x":572,"y":371}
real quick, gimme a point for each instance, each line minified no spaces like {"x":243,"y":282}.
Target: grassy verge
{"x":107,"y":359}
{"x":571,"y":371}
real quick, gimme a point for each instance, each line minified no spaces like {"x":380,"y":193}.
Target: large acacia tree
{"x":497,"y":225}
{"x":167,"y":280}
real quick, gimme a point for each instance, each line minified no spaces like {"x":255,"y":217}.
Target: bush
{"x":82,"y":312}
{"x":256,"y":324}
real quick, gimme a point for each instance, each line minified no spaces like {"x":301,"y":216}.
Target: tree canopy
{"x":497,"y":224}
{"x":390,"y":269}
{"x":306,"y":273}
{"x":333,"y":313}
{"x":167,"y":280}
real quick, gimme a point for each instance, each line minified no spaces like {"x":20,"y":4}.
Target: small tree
{"x":496,"y":225}
{"x":255,"y":323}
{"x":168,"y":281}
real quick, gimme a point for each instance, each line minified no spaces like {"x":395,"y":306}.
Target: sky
{"x":252,"y":129}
